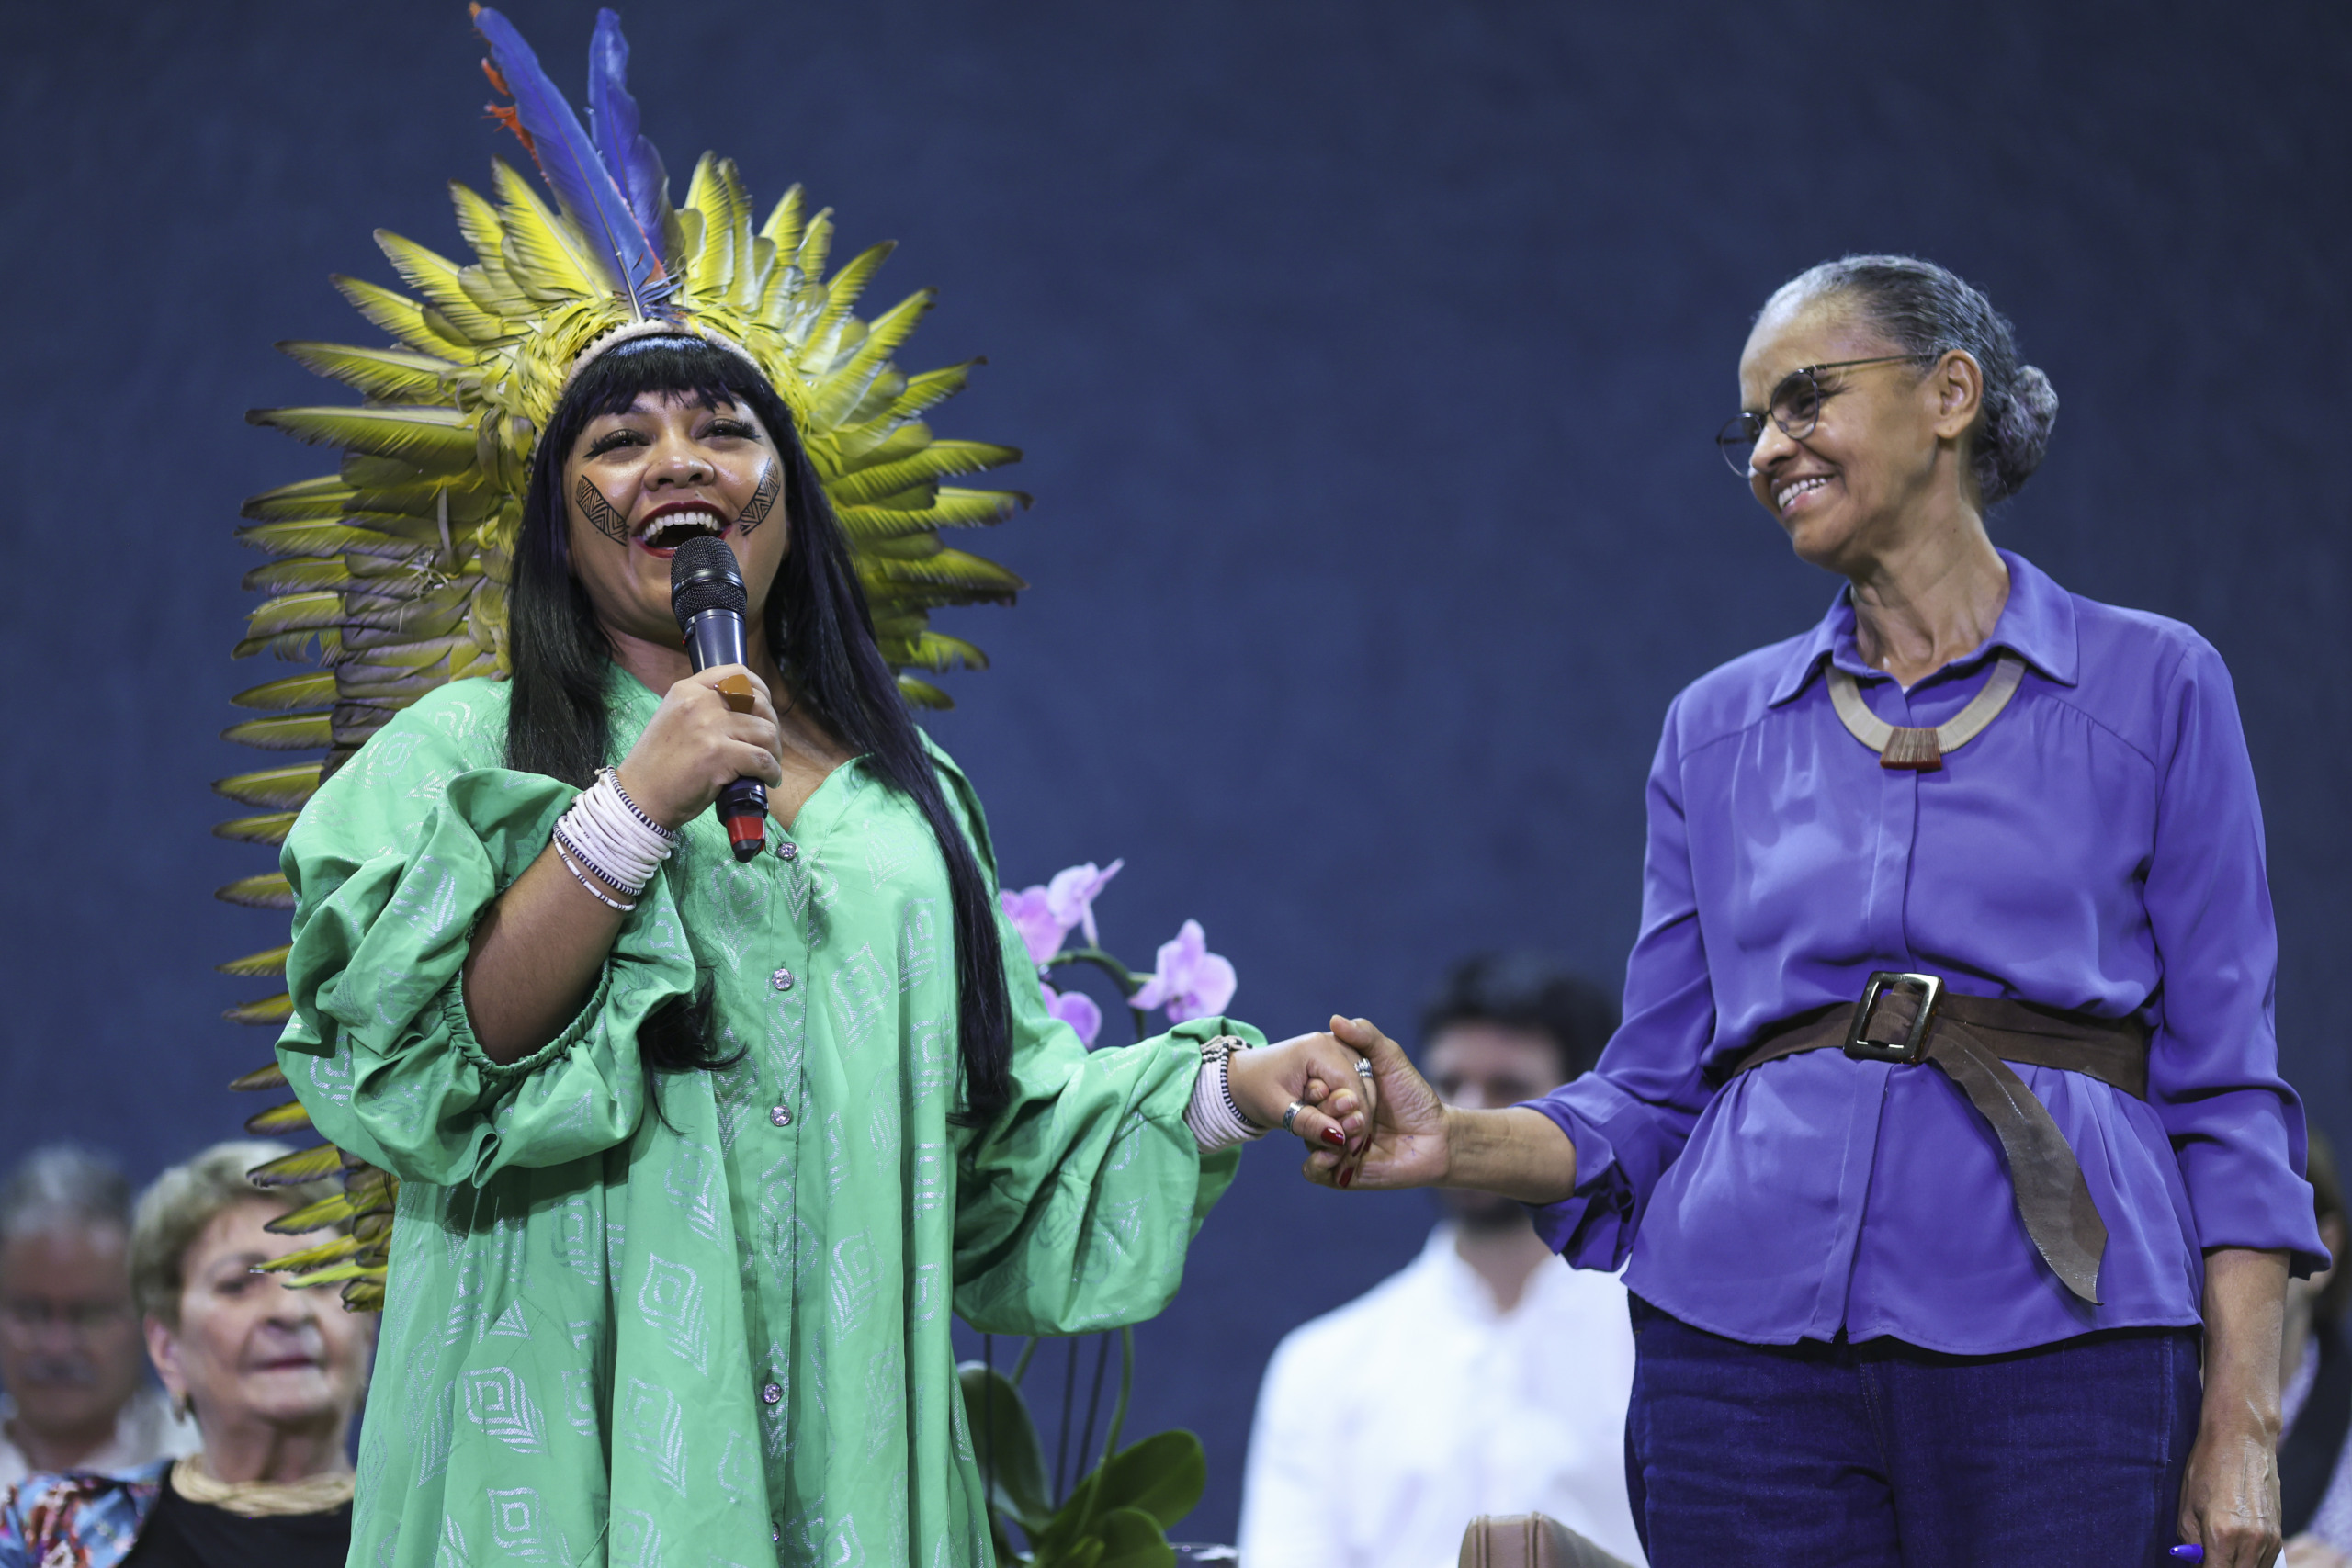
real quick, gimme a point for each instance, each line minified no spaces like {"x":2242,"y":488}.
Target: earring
{"x":184,"y":1407}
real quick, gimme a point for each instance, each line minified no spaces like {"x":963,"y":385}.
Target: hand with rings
{"x":1311,"y":1086}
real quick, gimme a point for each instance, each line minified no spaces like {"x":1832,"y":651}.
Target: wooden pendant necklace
{"x":1922,"y":751}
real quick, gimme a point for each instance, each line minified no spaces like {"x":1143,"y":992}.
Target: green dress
{"x":705,"y":1323}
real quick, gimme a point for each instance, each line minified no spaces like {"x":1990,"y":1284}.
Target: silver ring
{"x":1364,"y":1069}
{"x":1291,"y":1114}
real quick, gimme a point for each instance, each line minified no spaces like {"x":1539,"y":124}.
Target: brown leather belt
{"x":1973,"y":1039}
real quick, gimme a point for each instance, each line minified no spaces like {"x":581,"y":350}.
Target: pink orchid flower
{"x":1191,"y":982}
{"x":1076,"y":1010}
{"x":1032,"y":916}
{"x":1071,"y":894}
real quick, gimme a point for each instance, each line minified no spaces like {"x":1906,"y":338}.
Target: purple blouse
{"x":2097,"y":848}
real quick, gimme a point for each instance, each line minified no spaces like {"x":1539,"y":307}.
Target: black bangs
{"x":668,"y":367}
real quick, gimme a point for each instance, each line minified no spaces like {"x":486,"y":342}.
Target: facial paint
{"x":762,"y":502}
{"x":599,"y":512}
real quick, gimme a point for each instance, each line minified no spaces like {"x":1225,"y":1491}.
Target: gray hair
{"x":189,"y":1197}
{"x":59,"y":1185}
{"x":1926,"y":310}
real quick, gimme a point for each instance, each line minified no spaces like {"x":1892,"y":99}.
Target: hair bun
{"x":2017,"y":430}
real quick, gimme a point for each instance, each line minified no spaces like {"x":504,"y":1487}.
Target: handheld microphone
{"x":707,"y":595}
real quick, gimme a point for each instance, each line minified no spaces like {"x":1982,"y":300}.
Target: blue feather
{"x":583,"y":186}
{"x":613,"y":117}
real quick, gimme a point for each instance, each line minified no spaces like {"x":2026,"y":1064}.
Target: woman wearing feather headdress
{"x":696,"y":1150}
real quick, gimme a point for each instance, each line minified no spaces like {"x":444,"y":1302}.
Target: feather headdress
{"x":391,"y":573}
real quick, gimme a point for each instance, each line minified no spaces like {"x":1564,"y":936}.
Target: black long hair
{"x":821,"y":632}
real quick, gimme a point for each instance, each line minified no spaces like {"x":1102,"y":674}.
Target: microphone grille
{"x":703,"y":576}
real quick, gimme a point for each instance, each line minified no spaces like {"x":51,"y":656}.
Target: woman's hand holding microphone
{"x":712,"y":728}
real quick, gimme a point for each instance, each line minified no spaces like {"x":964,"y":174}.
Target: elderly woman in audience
{"x":270,"y":1376}
{"x":70,"y":1358}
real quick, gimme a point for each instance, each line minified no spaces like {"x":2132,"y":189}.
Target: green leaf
{"x":1163,"y":1476}
{"x":1004,"y":1440}
{"x":1133,"y":1539}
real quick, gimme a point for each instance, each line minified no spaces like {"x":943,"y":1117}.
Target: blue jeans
{"x":1881,"y":1455}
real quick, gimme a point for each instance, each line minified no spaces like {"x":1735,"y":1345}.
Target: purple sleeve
{"x":2213,"y":1078}
{"x":1631,"y":1115}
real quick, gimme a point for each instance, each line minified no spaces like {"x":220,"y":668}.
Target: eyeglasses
{"x":30,"y":1317}
{"x":1795,"y":407}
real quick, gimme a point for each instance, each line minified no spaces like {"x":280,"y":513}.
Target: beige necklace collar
{"x":1922,"y":751}
{"x":260,"y":1499}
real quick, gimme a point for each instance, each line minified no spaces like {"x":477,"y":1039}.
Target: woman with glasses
{"x":1944,"y":1134}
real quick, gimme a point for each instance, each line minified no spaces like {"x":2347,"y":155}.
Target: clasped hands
{"x":1363,"y":1111}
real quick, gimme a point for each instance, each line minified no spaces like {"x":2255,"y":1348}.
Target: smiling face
{"x":248,"y":1349}
{"x":1889,"y":443}
{"x":639,"y":483}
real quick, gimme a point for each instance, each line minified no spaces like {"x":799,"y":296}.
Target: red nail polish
{"x":1347,"y":1179}
{"x":1336,"y":1138}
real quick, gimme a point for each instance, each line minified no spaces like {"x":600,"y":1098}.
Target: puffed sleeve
{"x":392,"y":863}
{"x":1631,"y":1116}
{"x":1075,"y":1202}
{"x":2236,"y":1127}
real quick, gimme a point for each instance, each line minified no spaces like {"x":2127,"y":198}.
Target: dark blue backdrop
{"x":1366,"y":355}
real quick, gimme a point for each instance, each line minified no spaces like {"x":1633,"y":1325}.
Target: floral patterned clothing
{"x":77,"y":1521}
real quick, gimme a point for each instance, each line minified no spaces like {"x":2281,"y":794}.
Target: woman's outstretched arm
{"x":1418,"y":1141}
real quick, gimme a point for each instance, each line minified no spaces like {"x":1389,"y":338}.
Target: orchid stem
{"x":1124,"y":978}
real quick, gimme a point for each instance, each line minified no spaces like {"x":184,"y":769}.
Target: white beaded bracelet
{"x":1214,"y":1118}
{"x":619,"y":844}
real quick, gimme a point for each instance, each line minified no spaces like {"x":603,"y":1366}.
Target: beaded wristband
{"x":612,"y":777}
{"x":1214,"y":1117}
{"x":608,"y":903}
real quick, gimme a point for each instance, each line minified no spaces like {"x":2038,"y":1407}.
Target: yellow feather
{"x":271,"y":828}
{"x":845,"y":387}
{"x":270,"y":892}
{"x":386,"y":375}
{"x":477,"y":221}
{"x":283,"y":788}
{"x":313,"y":690}
{"x":313,"y":1216}
{"x":783,"y":227}
{"x":540,"y":255}
{"x":292,"y":1170}
{"x":287,"y":1118}
{"x":295,"y":612}
{"x":321,"y":500}
{"x":272,"y":1076}
{"x":436,"y":277}
{"x":402,"y":319}
{"x":937,"y":460}
{"x":268,"y":960}
{"x":432,"y":440}
{"x":298,"y":576}
{"x":318,"y":539}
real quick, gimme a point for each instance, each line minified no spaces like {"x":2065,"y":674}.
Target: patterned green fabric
{"x":714,"y":1332}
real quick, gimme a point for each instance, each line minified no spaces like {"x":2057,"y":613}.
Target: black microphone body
{"x":707,"y":595}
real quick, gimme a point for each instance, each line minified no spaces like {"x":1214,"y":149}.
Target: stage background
{"x":1367,"y":356}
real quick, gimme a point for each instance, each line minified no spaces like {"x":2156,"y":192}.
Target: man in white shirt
{"x":72,"y":1357}
{"x":1522,"y":1366}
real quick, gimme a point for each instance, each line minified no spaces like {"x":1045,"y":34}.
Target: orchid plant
{"x":1188,"y":982}
{"x":1116,"y":1514}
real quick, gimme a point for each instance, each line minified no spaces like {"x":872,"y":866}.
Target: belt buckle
{"x":1912,"y":1047}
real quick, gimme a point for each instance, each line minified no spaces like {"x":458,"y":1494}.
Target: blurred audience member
{"x":1522,"y":1365}
{"x":273,"y":1377}
{"x":78,"y":1395}
{"x":2315,"y":1388}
